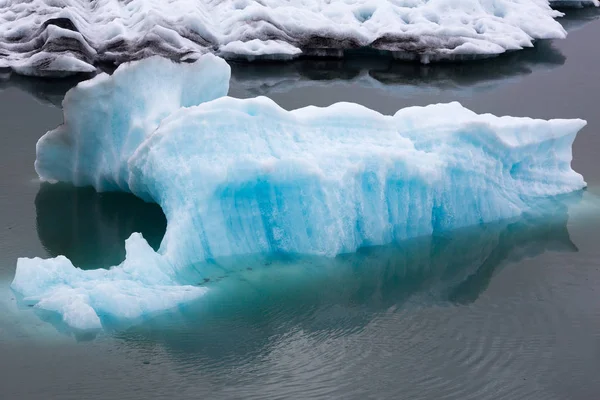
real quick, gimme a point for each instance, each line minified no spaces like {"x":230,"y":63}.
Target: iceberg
{"x":62,"y":37}
{"x":240,"y":177}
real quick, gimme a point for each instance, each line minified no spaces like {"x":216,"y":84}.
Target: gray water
{"x":505,"y":310}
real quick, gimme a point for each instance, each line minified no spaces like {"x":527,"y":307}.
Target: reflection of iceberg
{"x":577,"y":18}
{"x":90,"y":228}
{"x":574,"y":3}
{"x":390,"y":75}
{"x":329,"y":298}
{"x":237,"y":177}
{"x":395,"y":77}
{"x":46,"y":91}
{"x":68,"y":36}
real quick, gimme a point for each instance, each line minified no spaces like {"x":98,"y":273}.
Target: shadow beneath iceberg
{"x":249,"y":312}
{"x":90,"y":228}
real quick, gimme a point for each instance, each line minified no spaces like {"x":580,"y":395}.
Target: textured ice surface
{"x":141,"y":286}
{"x":119,"y":111}
{"x":237,"y":177}
{"x":58,"y":37}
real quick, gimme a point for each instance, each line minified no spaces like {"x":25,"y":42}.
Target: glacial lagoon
{"x":507,"y":309}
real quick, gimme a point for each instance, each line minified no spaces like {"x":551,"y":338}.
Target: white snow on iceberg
{"x":59,"y":37}
{"x":237,"y":177}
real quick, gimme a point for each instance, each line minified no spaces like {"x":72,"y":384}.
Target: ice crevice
{"x":239,"y":177}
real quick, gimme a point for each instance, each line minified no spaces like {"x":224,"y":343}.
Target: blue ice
{"x":238,"y":177}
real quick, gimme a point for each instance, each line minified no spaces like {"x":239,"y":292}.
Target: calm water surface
{"x":506,"y":310}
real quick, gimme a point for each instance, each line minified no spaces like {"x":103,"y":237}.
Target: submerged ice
{"x":141,"y":285}
{"x":58,"y":37}
{"x":238,"y":177}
